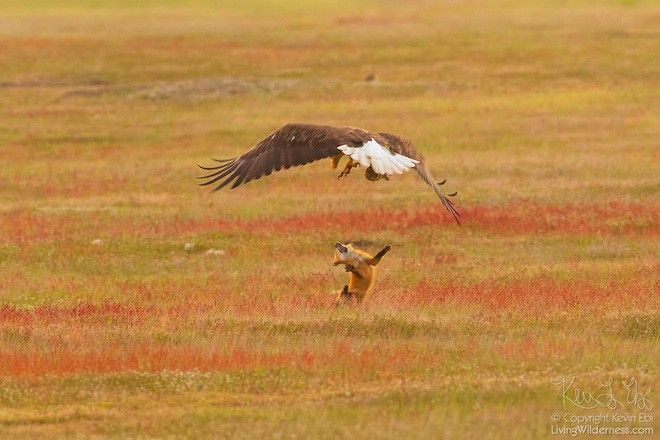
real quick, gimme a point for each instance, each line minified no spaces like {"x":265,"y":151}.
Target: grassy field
{"x":545,"y":116}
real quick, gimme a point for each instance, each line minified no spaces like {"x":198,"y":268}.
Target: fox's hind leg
{"x":346,"y":296}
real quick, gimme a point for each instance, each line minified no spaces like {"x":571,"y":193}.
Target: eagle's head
{"x":346,"y":254}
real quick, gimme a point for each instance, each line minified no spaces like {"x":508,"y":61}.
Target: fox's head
{"x":346,"y":254}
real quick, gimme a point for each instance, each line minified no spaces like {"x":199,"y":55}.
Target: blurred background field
{"x":544,"y":116}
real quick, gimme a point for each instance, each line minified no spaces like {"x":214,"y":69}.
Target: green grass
{"x":543,"y":115}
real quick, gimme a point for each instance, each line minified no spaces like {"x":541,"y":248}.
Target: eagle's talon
{"x":347,"y":169}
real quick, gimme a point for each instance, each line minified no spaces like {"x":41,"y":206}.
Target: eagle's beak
{"x":340,"y":247}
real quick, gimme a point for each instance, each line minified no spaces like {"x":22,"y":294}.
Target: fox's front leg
{"x":352,"y":269}
{"x":375,"y":260}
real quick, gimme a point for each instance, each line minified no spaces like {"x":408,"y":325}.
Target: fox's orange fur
{"x":362,"y":268}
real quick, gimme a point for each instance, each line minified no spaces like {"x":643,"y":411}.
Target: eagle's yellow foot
{"x":335,"y":161}
{"x":347,"y":168}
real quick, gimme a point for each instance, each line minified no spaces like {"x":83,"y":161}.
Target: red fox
{"x":362,"y":268}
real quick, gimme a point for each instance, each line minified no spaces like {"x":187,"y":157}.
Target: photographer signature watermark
{"x":604,"y":398}
{"x":611,"y":397}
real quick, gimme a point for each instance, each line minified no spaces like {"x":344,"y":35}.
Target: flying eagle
{"x":382,"y":154}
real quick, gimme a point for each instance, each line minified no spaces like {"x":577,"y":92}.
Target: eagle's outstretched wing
{"x":405,"y":147}
{"x":290,"y":146}
{"x":299,"y":144}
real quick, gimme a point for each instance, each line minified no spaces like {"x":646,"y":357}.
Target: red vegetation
{"x":51,"y":313}
{"x":530,"y":348}
{"x":519,"y":218}
{"x":222,"y":328}
{"x":535,"y":296}
{"x":152,"y":358}
{"x":116,"y":358}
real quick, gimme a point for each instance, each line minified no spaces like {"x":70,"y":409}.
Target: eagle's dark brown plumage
{"x":299,"y":144}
